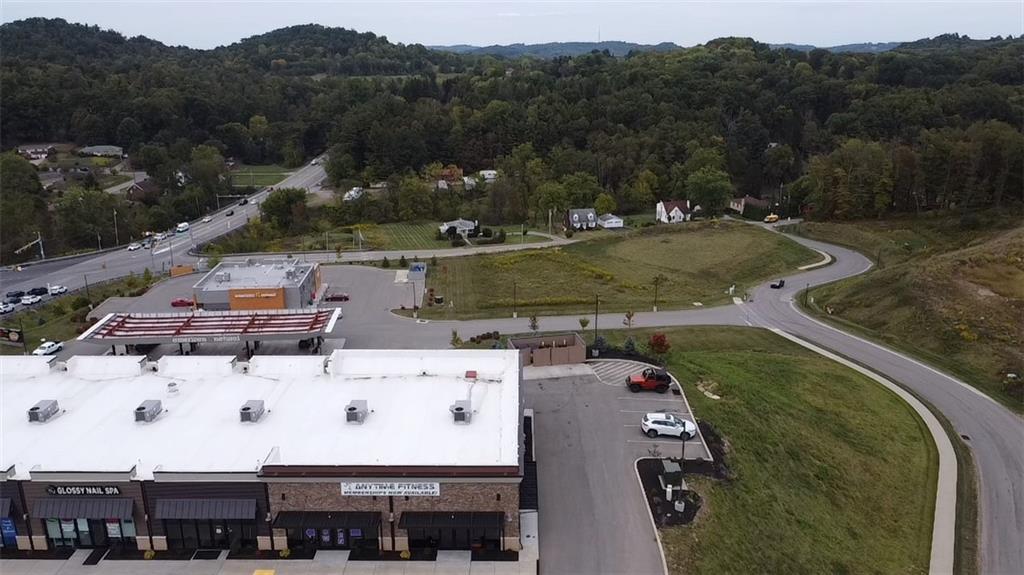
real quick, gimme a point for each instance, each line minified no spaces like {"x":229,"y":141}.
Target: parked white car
{"x":182,"y":227}
{"x":58,"y":289}
{"x":30,"y":299}
{"x":48,"y":348}
{"x":655,"y":424}
{"x":134,"y":246}
{"x":6,"y":307}
{"x":207,"y":220}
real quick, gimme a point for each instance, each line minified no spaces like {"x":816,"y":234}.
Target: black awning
{"x":205,"y":509}
{"x":82,"y":508}
{"x":5,"y":506}
{"x":427,"y":520}
{"x":366,"y":520}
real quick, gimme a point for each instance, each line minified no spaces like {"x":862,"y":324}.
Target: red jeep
{"x":652,"y":378}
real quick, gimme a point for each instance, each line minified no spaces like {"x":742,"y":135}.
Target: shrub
{"x":600,"y":343}
{"x":284,"y":553}
{"x":487,"y":232}
{"x":433,"y":261}
{"x":402,"y":263}
{"x":630,"y":345}
{"x":79,"y":302}
{"x":568,"y":232}
{"x":458,"y":242}
{"x":659,"y":343}
{"x":456,"y":341}
{"x":149,"y":554}
{"x":385,"y":263}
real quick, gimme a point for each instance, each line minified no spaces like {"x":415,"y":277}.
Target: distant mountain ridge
{"x":861,"y":48}
{"x":557,"y":49}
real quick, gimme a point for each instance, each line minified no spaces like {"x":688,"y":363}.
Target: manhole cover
{"x":966,"y":437}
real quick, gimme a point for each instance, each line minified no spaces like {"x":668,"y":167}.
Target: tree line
{"x":846,"y":135}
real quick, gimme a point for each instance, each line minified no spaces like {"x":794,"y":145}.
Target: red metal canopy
{"x":206,"y":326}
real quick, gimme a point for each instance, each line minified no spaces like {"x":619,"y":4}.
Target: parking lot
{"x":588,"y":439}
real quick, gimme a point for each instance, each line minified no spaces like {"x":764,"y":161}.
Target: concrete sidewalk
{"x":325,"y":563}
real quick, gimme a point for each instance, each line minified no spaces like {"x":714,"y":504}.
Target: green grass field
{"x":268,"y":175}
{"x":951,"y":296}
{"x":833,"y":473}
{"x":700,"y":260}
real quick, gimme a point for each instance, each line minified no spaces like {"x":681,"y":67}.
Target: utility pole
{"x":597,"y":307}
{"x":99,"y":244}
{"x":117,"y":240}
{"x":86,"y":277}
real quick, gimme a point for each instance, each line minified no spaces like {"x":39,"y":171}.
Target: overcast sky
{"x":205,"y":24}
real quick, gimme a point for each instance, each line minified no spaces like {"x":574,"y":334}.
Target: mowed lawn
{"x":268,"y":175}
{"x":832,"y":472}
{"x":699,"y":260}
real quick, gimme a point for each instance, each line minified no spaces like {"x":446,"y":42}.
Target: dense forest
{"x":934,"y":124}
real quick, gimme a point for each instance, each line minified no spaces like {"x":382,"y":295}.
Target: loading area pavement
{"x":593,"y":515}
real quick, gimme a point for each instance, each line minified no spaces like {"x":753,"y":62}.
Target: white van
{"x":182,"y":227}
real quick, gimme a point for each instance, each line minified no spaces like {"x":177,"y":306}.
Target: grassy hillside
{"x":699,"y":261}
{"x":950,"y":293}
{"x":833,"y":473}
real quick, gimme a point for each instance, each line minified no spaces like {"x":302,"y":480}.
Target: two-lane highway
{"x":75,"y":273}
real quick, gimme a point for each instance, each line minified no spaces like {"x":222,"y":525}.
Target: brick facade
{"x":326,"y":496}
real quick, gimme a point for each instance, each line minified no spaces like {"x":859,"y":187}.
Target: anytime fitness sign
{"x":367,"y":489}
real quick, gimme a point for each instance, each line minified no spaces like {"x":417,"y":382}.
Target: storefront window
{"x":128,"y":528}
{"x":53,"y":529}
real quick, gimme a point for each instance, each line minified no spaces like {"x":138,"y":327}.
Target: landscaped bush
{"x":458,"y":242}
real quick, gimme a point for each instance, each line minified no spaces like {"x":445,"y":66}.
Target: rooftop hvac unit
{"x":251,"y":411}
{"x":43,"y":410}
{"x":355,"y":411}
{"x":148,"y":410}
{"x":222,"y":277}
{"x":461,"y":411}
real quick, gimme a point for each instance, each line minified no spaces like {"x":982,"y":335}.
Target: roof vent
{"x":148,"y":410}
{"x":172,"y":388}
{"x":43,"y":410}
{"x":355,"y":411}
{"x":470,"y":374}
{"x":461,"y":411}
{"x":251,"y":411}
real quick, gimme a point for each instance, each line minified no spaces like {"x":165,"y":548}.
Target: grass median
{"x":832,"y":472}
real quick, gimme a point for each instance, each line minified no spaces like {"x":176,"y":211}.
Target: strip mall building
{"x":364,"y":449}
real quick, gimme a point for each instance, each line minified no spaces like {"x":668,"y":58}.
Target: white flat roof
{"x":408,"y":393}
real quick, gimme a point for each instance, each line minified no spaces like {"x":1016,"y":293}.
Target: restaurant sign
{"x":83,"y":490}
{"x":391,"y":489}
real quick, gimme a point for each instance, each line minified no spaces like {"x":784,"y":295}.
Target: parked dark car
{"x":229,"y":213}
{"x":13,"y":300}
{"x":336,"y":297}
{"x":15,"y":294}
{"x":244,"y":201}
{"x":778,"y":285}
{"x":39,"y":291}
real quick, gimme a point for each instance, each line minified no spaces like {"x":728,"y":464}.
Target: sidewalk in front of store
{"x":324,"y":563}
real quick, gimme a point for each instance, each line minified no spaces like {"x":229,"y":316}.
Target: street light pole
{"x":597,"y":307}
{"x":515,"y":312}
{"x":117,"y":240}
{"x":99,"y":244}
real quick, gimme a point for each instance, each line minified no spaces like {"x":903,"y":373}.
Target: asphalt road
{"x":76,"y":272}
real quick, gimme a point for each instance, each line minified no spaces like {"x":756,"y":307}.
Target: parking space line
{"x":660,"y":442}
{"x":649,"y":399}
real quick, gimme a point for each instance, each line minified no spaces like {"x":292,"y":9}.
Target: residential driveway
{"x":593,"y":516}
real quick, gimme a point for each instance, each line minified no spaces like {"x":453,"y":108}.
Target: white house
{"x":441,"y":185}
{"x":581,"y":219}
{"x":469,"y":182}
{"x":673,"y":211}
{"x":462,"y":227}
{"x":489,"y":175}
{"x":353,"y":194}
{"x":609,"y":221}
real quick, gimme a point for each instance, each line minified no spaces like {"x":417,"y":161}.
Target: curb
{"x":650,"y":516}
{"x":824,"y":262}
